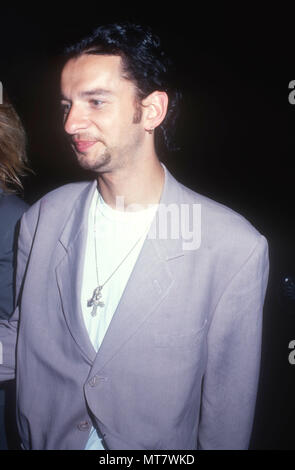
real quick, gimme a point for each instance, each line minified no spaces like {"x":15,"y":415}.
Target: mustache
{"x":83,"y":138}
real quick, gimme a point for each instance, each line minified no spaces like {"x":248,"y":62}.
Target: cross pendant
{"x":94,"y":301}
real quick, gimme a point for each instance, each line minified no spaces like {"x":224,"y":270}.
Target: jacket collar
{"x":167,"y":246}
{"x":78,"y":219}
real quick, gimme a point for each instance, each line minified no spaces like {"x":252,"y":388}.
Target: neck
{"x":133,"y":189}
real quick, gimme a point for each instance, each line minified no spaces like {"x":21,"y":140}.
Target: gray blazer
{"x":179,"y":365}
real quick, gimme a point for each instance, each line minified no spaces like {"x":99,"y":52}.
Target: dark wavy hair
{"x":144,"y":63}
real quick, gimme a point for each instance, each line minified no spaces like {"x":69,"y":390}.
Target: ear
{"x":154,"y":109}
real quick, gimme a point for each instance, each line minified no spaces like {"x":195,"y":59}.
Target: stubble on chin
{"x":97,"y":164}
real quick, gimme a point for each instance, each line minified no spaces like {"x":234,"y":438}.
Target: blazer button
{"x":93,"y":381}
{"x":83,"y":426}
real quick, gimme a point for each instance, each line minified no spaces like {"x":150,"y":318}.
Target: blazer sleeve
{"x":234,"y":349}
{"x":9,"y":328}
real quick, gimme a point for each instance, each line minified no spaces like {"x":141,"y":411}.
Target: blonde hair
{"x":13,"y":158}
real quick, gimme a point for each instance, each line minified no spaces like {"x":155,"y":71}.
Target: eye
{"x":96,"y":103}
{"x":65,"y":108}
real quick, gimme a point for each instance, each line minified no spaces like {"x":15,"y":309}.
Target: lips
{"x":82,"y":145}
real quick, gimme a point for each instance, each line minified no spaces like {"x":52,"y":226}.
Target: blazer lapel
{"x":147,"y":286}
{"x":150,"y":281}
{"x":69,"y":272}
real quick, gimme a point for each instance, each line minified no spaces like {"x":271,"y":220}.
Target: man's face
{"x":101,"y":112}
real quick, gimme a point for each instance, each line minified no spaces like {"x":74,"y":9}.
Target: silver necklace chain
{"x":95,"y":300}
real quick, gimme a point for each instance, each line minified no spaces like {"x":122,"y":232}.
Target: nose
{"x":75,"y":120}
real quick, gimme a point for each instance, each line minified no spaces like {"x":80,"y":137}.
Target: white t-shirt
{"x":117,"y":232}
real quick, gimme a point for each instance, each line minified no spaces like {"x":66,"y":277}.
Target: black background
{"x":236,"y":134}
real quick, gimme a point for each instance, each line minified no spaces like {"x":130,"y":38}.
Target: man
{"x":131,"y":334}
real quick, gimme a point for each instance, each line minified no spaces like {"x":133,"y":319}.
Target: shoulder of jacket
{"x":220,"y":223}
{"x":62,"y":198}
{"x":12,"y":208}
